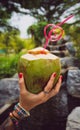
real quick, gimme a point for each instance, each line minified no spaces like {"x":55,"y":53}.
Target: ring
{"x":46,"y":92}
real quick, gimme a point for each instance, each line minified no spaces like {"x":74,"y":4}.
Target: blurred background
{"x":22,"y":23}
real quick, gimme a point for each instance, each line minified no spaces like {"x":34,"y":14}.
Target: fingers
{"x":57,"y":87}
{"x":46,"y":96}
{"x":50,"y":83}
{"x":21,"y":83}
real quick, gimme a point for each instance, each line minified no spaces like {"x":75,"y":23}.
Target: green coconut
{"x":37,"y":66}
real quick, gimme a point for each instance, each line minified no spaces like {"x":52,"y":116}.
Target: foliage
{"x":37,"y":32}
{"x":29,"y":43}
{"x":45,"y":11}
{"x":42,"y":10}
{"x":11,"y":42}
{"x":74,"y":32}
{"x":8,"y":65}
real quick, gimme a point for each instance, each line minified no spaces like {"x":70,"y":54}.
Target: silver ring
{"x":46,"y":92}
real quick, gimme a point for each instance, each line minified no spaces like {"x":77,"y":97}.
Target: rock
{"x":9,"y":90}
{"x":71,"y":49}
{"x":73,"y":120}
{"x":62,"y":47}
{"x":60,"y":53}
{"x":73,"y":83}
{"x":77,"y":62}
{"x":67,"y":38}
{"x":67,"y":62}
{"x":72,"y":68}
{"x":56,"y":47}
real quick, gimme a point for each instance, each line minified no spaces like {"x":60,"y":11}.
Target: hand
{"x":28,"y":100}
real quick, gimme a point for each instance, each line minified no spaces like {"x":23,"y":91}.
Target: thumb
{"x":21,"y":83}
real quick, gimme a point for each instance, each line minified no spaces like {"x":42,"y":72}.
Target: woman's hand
{"x":28,"y":100}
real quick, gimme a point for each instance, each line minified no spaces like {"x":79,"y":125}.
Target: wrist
{"x":18,"y":114}
{"x":24,"y":106}
{"x":20,"y":111}
{"x":24,"y":110}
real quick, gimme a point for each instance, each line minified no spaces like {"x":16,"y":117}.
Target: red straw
{"x":49,"y":36}
{"x":59,"y":24}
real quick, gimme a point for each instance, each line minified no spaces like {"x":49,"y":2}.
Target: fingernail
{"x":54,"y":75}
{"x":61,"y":77}
{"x":20,"y":75}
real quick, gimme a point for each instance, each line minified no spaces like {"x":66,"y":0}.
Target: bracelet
{"x":21,"y":112}
{"x":15,"y":121}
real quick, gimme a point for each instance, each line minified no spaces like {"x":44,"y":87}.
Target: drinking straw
{"x":55,"y":37}
{"x":59,"y":24}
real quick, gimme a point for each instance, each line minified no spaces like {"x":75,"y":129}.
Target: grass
{"x":8,"y":65}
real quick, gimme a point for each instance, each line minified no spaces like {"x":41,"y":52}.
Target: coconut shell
{"x":37,"y":66}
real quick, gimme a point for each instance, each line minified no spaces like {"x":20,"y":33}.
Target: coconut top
{"x":38,"y":53}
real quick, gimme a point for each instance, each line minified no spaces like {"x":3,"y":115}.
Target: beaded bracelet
{"x":21,"y":112}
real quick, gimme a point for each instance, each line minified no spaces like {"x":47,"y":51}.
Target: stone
{"x":73,"y":83}
{"x":77,"y":62}
{"x":70,"y":47}
{"x":73,"y":120}
{"x":60,"y":53}
{"x":9,"y":90}
{"x":67,"y":62}
{"x":62,"y":47}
